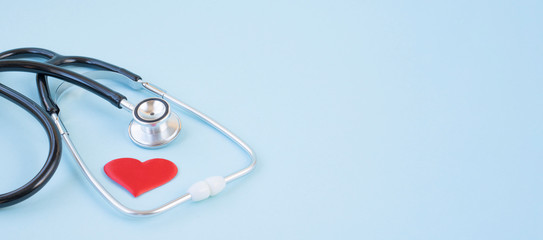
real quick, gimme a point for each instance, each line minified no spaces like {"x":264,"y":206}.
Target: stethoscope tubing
{"x":42,"y":115}
{"x":56,"y":59}
{"x":53,"y":157}
{"x":106,"y":93}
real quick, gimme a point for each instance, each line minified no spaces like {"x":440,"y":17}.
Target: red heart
{"x":139,"y":177}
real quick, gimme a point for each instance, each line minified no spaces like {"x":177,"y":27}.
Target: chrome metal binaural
{"x":223,"y":130}
{"x":56,"y":119}
{"x":127,"y":105}
{"x":156,"y":90}
{"x":184,"y":197}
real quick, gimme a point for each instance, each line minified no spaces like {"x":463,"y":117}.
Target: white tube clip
{"x":210,"y":187}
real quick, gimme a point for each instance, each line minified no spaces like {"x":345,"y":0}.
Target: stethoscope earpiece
{"x":154,"y":125}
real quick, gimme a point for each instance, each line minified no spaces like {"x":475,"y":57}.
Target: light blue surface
{"x":371,"y":120}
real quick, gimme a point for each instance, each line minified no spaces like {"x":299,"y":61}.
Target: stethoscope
{"x":154,"y":125}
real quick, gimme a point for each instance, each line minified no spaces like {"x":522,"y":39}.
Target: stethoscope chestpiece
{"x":154,"y":125}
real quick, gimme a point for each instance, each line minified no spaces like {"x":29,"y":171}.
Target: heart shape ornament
{"x":139,"y":177}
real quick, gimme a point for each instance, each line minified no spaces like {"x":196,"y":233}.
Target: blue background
{"x":371,"y":119}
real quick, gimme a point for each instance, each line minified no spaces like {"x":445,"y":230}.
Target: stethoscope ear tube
{"x":28,"y":52}
{"x":113,"y":97}
{"x":56,"y":59}
{"x":44,"y":93}
{"x":55,"y":148}
{"x":60,"y":60}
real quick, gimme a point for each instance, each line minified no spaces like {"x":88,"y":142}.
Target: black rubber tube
{"x":93,"y":63}
{"x":45,"y":95}
{"x":28,"y":52}
{"x":55,"y":148}
{"x":43,"y":86}
{"x":43,"y":70}
{"x":60,"y":60}
{"x":113,"y":97}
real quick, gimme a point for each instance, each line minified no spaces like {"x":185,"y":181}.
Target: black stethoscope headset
{"x":48,"y":118}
